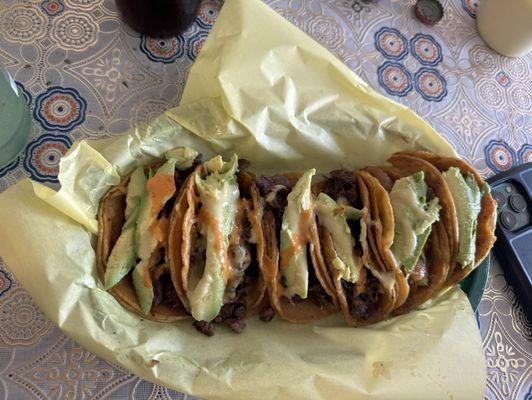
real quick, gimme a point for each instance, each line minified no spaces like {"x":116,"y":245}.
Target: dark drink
{"x":158,"y":17}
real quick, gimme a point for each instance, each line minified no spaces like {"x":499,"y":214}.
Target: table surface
{"x":86,"y":75}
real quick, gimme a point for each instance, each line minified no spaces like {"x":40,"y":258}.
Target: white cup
{"x":506,"y":25}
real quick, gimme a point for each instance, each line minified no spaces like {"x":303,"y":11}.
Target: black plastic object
{"x":158,"y":18}
{"x":513,"y":192}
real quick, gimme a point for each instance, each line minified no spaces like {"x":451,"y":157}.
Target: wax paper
{"x":265,"y":90}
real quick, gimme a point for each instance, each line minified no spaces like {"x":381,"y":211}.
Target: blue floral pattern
{"x":503,"y":79}
{"x":208,"y":12}
{"x":165,"y":50}
{"x":52,"y":7}
{"x":5,"y":169}
{"x":426,"y":50}
{"x":499,"y":156}
{"x":470,"y":6}
{"x":42,"y":155}
{"x":391,"y":43}
{"x":5,"y":282}
{"x":430,"y":84}
{"x":525,"y":154}
{"x":195,"y":44}
{"x":60,"y":109}
{"x":25,"y":93}
{"x":528,"y":396}
{"x":395,"y":78}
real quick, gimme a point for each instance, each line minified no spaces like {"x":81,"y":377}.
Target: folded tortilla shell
{"x":269,"y":259}
{"x":386,"y":296}
{"x":182,"y":235}
{"x":380,"y":223}
{"x":110,"y":220}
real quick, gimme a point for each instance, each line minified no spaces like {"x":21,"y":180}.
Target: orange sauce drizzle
{"x":160,"y":188}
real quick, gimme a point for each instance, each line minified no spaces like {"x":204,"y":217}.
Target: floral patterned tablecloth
{"x":86,"y":75}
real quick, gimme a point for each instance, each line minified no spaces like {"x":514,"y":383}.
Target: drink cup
{"x":15,"y":119}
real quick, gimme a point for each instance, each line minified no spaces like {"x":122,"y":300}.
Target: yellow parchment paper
{"x":265,"y":90}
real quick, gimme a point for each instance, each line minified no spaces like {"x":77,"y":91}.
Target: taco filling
{"x":414,"y":215}
{"x":296,"y":290}
{"x":221,"y":275}
{"x":137,"y":262}
{"x":360,"y":292}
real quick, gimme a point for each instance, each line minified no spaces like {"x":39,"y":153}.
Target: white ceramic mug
{"x":506,"y":25}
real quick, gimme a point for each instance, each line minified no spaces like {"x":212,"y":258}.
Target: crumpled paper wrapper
{"x":265,"y":90}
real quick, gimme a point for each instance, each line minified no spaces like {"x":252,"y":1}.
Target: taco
{"x":132,"y":242}
{"x":421,"y":238}
{"x":365,"y":290}
{"x":476,"y":213}
{"x":299,"y":286}
{"x":213,"y":246}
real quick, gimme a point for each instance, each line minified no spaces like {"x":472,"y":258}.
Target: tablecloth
{"x":86,"y":75}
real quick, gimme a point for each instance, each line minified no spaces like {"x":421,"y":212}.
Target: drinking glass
{"x":158,"y":18}
{"x":506,"y":26}
{"x":15,"y":118}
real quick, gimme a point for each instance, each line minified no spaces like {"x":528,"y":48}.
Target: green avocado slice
{"x":184,"y":157}
{"x":159,"y":189}
{"x":466,"y":197}
{"x":123,"y":255}
{"x":333,"y":216}
{"x":219,"y":195}
{"x":413,"y":217}
{"x":294,"y":237}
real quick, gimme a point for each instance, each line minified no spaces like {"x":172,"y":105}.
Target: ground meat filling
{"x":233,"y":313}
{"x":164,"y":290}
{"x":179,"y":179}
{"x":267,"y":313}
{"x":316,"y":293}
{"x":243,"y":164}
{"x":363,"y":305}
{"x":419,"y":275}
{"x":341,"y":184}
{"x":207,"y":328}
{"x":274,"y":190}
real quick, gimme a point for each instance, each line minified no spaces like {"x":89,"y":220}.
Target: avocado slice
{"x":294,"y":237}
{"x":219,"y":194}
{"x":333,"y":216}
{"x":184,"y":157}
{"x":466,"y":197}
{"x":159,"y":189}
{"x":123,"y":255}
{"x":413,"y":217}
